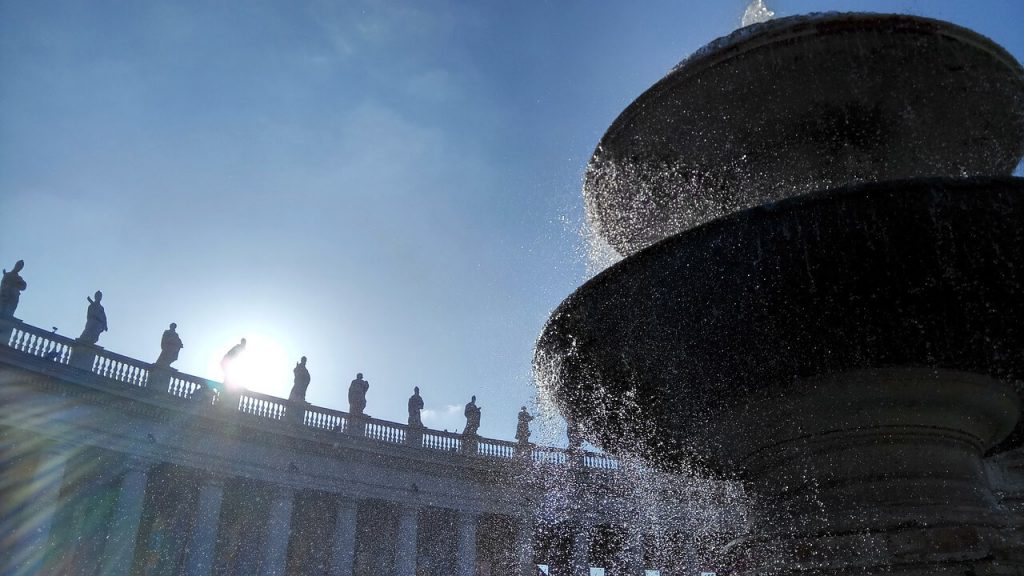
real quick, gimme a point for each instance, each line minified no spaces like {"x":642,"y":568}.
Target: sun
{"x":263,"y":366}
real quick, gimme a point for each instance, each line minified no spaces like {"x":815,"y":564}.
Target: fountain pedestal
{"x":872,"y":470}
{"x":822,"y":295}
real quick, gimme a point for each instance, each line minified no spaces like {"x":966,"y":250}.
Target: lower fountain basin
{"x":919,"y":273}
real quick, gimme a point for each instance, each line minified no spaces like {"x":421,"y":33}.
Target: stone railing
{"x":36,"y":341}
{"x":49,"y":347}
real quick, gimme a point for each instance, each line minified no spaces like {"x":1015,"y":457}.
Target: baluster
{"x":19,"y":341}
{"x":32,"y":344}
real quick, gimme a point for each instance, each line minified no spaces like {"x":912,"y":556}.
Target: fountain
{"x":821,"y":295}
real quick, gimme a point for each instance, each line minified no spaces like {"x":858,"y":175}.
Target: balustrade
{"x":444,"y":441}
{"x":325,"y":418}
{"x":37,"y":342}
{"x":186,"y":386}
{"x":49,"y":346}
{"x":263,"y":406}
{"x":121,"y":368}
{"x":496,"y":448}
{"x":385,"y":431}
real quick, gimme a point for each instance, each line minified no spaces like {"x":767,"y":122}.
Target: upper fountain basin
{"x":801,"y":104}
{"x":925,"y":273}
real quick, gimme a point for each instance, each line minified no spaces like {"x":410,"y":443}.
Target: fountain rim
{"x":751,"y":39}
{"x":765,"y":34}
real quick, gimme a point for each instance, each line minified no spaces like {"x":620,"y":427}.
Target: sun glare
{"x":263,"y":366}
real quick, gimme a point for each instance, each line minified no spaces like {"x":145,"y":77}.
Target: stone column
{"x":465,"y":564}
{"x":630,"y":559}
{"x":405,"y":550}
{"x":275,"y":545}
{"x":343,"y":544}
{"x":31,"y":524}
{"x":203,"y":541}
{"x":580,"y":554}
{"x":524,"y":547}
{"x":119,"y":551}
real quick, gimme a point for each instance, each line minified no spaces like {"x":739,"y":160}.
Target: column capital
{"x":136,"y":463}
{"x":283,"y":492}
{"x":469,"y":515}
{"x":213,"y":479}
{"x":347,"y":502}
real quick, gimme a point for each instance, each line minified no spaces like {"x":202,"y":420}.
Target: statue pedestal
{"x":83,"y":355}
{"x":470,"y":443}
{"x":159,"y":378}
{"x":296,"y":412}
{"x":414,"y":436}
{"x":356,"y":425}
{"x":523,"y":450}
{"x":7,"y":326}
{"x":872,"y":471}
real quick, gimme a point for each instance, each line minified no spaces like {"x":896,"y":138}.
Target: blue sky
{"x":384,"y":186}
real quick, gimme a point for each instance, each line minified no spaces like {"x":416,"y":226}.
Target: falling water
{"x":755,"y":13}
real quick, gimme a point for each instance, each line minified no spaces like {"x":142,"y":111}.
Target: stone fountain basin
{"x":801,"y":104}
{"x":922,"y":274}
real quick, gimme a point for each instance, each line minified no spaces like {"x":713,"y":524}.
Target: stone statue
{"x":95,"y":321}
{"x":415,"y":405}
{"x":300,"y":383}
{"x":357,"y":395}
{"x":523,"y":426}
{"x":10,"y":290}
{"x":472,"y":413}
{"x":229,"y":359}
{"x":170,"y":345}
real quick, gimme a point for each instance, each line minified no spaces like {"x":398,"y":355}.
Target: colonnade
{"x":120,"y":542}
